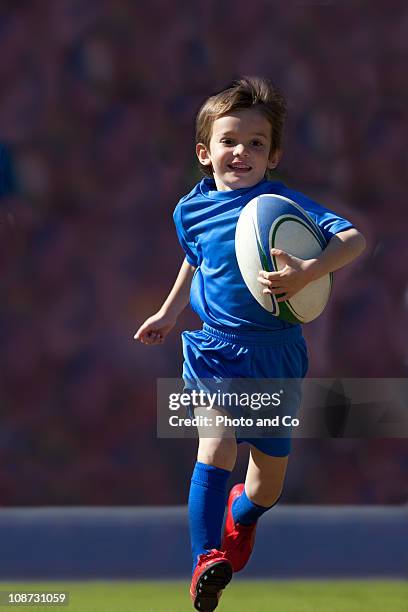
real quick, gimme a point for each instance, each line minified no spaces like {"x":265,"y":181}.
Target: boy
{"x":238,"y":139}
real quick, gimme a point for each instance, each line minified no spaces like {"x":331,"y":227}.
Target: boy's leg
{"x":265,"y":478}
{"x":263,"y":487}
{"x":206,"y":506}
{"x":220,"y":452}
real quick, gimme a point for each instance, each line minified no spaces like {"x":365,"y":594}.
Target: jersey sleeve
{"x":188,"y":245}
{"x":329,"y":222}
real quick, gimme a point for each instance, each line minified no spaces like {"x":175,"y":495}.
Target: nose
{"x":240,"y":149}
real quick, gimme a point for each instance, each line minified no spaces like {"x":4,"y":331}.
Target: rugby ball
{"x":273,"y":221}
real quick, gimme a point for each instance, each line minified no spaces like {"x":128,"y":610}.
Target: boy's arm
{"x":156,"y":327}
{"x":342,"y":249}
{"x":179,"y":296}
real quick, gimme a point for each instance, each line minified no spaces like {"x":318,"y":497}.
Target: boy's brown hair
{"x":245,"y":92}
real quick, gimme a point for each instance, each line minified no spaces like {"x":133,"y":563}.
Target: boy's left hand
{"x":292,"y":278}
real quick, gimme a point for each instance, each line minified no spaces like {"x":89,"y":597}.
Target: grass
{"x":240,"y":596}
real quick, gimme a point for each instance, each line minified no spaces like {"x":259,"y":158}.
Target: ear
{"x":203,"y":154}
{"x":274,"y":158}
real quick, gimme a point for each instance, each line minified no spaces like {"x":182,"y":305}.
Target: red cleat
{"x":212,"y":574}
{"x":238,"y":540}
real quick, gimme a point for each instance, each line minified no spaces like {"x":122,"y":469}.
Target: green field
{"x":240,"y":596}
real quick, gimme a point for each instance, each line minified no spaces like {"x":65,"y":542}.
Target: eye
{"x":227,"y":141}
{"x":257,"y":143}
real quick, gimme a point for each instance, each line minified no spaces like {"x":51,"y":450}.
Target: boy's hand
{"x":155,"y":328}
{"x":291,"y":279}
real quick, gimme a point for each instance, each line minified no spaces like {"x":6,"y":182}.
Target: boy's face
{"x":240,"y":149}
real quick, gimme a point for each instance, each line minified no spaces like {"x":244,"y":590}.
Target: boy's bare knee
{"x":221,"y":452}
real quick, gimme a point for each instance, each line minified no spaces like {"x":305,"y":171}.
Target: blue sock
{"x":245,"y":511}
{"x":206,"y":507}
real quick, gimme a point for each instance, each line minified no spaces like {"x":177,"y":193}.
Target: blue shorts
{"x":218,"y":354}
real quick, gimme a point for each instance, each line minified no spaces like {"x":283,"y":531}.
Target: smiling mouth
{"x":240,"y":167}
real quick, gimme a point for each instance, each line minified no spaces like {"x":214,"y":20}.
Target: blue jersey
{"x":206,"y":221}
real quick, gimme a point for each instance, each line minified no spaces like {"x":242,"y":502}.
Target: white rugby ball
{"x":273,"y":221}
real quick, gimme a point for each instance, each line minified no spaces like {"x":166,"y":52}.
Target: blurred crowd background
{"x":97,"y":110}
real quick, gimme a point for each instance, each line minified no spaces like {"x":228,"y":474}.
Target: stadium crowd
{"x":97,"y":111}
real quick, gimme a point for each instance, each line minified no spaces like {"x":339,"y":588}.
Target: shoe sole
{"x":212,"y":580}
